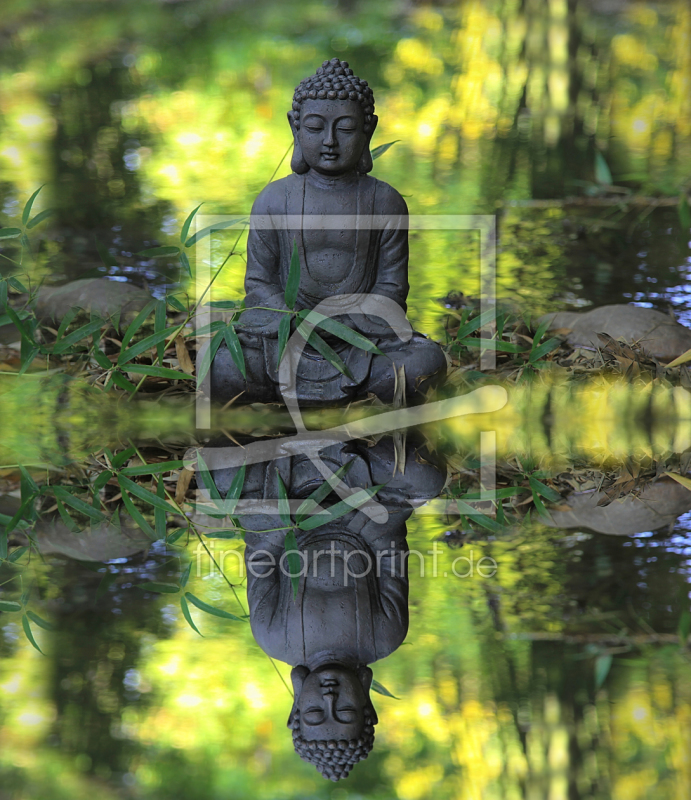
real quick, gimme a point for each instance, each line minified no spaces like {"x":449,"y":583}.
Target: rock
{"x":95,"y":295}
{"x":658,"y":334}
{"x":657,"y":506}
{"x":102,"y":542}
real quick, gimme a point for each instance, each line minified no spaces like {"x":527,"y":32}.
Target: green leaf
{"x":340,"y":330}
{"x":684,"y":627}
{"x":39,"y":218}
{"x":217,"y":226}
{"x":29,"y":633}
{"x":144,"y":345}
{"x":9,"y":606}
{"x":340,"y":509}
{"x":29,"y":487}
{"x":136,"y":515}
{"x":208,"y":356}
{"x":216,"y":612}
{"x":186,"y":614}
{"x":498,"y":494}
{"x":603,"y":176}
{"x":539,"y":333}
{"x":540,"y":507}
{"x":223,"y":535}
{"x":66,"y":518}
{"x":476,"y":323}
{"x":478,"y":517}
{"x":321,"y":493}
{"x":28,"y":357}
{"x":158,"y":372}
{"x":235,"y":490}
{"x":23,"y":330}
{"x":494,"y":344}
{"x":324,"y":350}
{"x":137,"y":322}
{"x":603,"y":664}
{"x":382,"y":148}
{"x":185,"y":576}
{"x":3,"y":544}
{"x":224,"y":305}
{"x":66,"y":321}
{"x":185,"y":262}
{"x":208,"y":479}
{"x":177,"y":305}
{"x":543,"y":349}
{"x":47,"y":626}
{"x":153,"y":469}
{"x":144,"y":494}
{"x":175,"y":535}
{"x":76,"y":336}
{"x":16,"y":554}
{"x":548,"y":493}
{"x":186,"y":226}
{"x":682,"y":209}
{"x":283,"y":334}
{"x":29,"y":205}
{"x":159,"y":252}
{"x":121,"y":381}
{"x":293,"y":282}
{"x":161,"y":588}
{"x":104,"y":254}
{"x":118,"y":460}
{"x":235,"y":348}
{"x":294,"y":560}
{"x":10,"y":233}
{"x":102,"y":480}
{"x":380,"y":689}
{"x":160,"y":513}
{"x":77,"y":504}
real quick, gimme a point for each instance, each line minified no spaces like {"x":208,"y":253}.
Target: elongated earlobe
{"x":297,"y":162}
{"x":366,"y":163}
{"x":297,"y":677}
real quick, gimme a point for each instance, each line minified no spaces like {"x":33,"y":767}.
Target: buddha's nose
{"x":330,"y":138}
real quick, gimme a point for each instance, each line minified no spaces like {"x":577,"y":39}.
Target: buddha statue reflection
{"x":332,"y":121}
{"x":350,"y":607}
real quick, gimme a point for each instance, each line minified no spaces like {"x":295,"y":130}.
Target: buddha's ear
{"x":297,"y":678}
{"x":365,"y":163}
{"x":365,"y":675}
{"x":297,"y":162}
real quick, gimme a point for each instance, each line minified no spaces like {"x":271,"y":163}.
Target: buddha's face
{"x":332,"y":135}
{"x":332,"y":705}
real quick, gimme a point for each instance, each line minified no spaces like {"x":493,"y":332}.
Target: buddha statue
{"x":351,"y":604}
{"x":332,"y":120}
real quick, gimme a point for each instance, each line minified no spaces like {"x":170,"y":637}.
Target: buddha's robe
{"x":334,"y":261}
{"x":352,"y":599}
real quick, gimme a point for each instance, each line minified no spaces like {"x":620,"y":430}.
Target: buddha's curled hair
{"x":334,"y":758}
{"x":334,"y":80}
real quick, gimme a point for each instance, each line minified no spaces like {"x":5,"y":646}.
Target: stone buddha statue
{"x":351,"y":605}
{"x":332,"y":120}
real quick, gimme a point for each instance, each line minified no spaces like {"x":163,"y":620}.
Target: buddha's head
{"x":333,"y":717}
{"x":332,"y":120}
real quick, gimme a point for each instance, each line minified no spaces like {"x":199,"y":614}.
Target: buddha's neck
{"x":331,"y":182}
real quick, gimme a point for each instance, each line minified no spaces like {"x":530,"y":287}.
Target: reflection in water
{"x":349,"y":606}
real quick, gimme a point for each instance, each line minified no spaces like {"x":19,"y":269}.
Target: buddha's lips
{"x":330,"y":156}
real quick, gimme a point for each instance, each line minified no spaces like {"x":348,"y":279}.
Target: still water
{"x":556,"y":670}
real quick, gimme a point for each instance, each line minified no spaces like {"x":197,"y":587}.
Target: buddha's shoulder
{"x":272,"y":198}
{"x":386,"y":199}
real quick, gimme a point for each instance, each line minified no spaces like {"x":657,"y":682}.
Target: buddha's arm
{"x":262,"y":555}
{"x":262,"y":278}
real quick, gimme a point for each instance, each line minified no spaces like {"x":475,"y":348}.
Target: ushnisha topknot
{"x":334,"y":758}
{"x":334,"y":80}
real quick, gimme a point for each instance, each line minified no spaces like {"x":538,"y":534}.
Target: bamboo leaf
{"x":382,"y":148}
{"x":216,"y":612}
{"x":293,"y":282}
{"x":185,"y":576}
{"x":186,"y":225}
{"x":185,"y":262}
{"x":380,"y":689}
{"x":77,"y":504}
{"x":29,"y":633}
{"x":144,"y":345}
{"x":283,"y":503}
{"x":340,"y":330}
{"x":76,"y":336}
{"x":186,"y":614}
{"x":603,"y":664}
{"x":159,"y":325}
{"x":137,"y":322}
{"x":177,"y":305}
{"x":235,"y":490}
{"x":209,"y":354}
{"x":47,"y":626}
{"x":217,"y":226}
{"x":208,"y":479}
{"x":321,"y":493}
{"x":603,"y":176}
{"x":546,"y":492}
{"x":477,"y":516}
{"x":160,"y":513}
{"x":121,"y":381}
{"x":66,"y":518}
{"x":235,"y":348}
{"x":29,"y":204}
{"x":684,"y":213}
{"x":476,"y":323}
{"x":338,"y":510}
{"x":540,"y":507}
{"x":153,"y":469}
{"x":543,"y":350}
{"x":136,"y":515}
{"x":10,"y":233}
{"x":17,"y":554}
{"x":39,"y":218}
{"x":144,"y":494}
{"x":324,"y":350}
{"x":66,"y":321}
{"x":9,"y":606}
